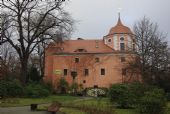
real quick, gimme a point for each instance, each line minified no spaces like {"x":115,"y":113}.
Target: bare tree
{"x":9,"y":60}
{"x":25,"y":24}
{"x":152,"y":51}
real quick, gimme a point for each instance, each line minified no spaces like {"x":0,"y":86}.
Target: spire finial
{"x":119,"y":20}
{"x":119,"y":10}
{"x":119,"y":15}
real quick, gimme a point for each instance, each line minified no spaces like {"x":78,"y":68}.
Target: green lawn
{"x":11,"y":102}
{"x":71,"y":111}
{"x":125,"y":111}
{"x":68,"y":102}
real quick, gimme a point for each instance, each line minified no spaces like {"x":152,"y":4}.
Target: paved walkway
{"x":20,"y":110}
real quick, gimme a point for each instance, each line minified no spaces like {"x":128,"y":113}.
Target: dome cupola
{"x":120,"y":37}
{"x":120,"y":28}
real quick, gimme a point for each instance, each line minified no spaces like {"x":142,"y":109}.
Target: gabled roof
{"x":90,"y":46}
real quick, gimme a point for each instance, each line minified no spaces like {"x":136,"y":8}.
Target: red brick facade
{"x":96,"y":62}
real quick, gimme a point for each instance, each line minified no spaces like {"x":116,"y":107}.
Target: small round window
{"x":109,"y":40}
{"x":122,"y":39}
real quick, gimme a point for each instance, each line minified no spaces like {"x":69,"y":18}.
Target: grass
{"x":125,"y":111}
{"x":68,"y":102}
{"x":63,"y":110}
{"x":71,"y":111}
{"x":12,"y":102}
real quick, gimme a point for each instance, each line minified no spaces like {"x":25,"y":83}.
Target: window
{"x":80,"y":50}
{"x":76,"y":60}
{"x":121,"y":39}
{"x":95,"y":86}
{"x":84,"y":81}
{"x":109,"y":40}
{"x":86,"y":72}
{"x":133,"y":47}
{"x":122,"y":46}
{"x":65,"y":72}
{"x":96,"y":59}
{"x":133,"y":40}
{"x":122,"y":59}
{"x":102,"y":71}
{"x":74,"y":74}
{"x":123,"y":71}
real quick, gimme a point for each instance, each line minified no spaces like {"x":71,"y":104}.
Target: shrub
{"x":168,"y":96}
{"x":63,"y":86}
{"x":3,"y":88}
{"x":11,"y":88}
{"x":74,"y":88}
{"x":94,"y":92}
{"x":138,"y":89}
{"x":36,"y":91}
{"x":15,"y":89}
{"x":120,"y":94}
{"x":33,"y":74}
{"x":153,"y":102}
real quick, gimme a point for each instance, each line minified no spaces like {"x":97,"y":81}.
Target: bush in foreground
{"x":120,"y":94}
{"x":153,"y":102}
{"x":96,"y":92}
{"x":11,"y":88}
{"x":63,"y":86}
{"x":36,"y":91}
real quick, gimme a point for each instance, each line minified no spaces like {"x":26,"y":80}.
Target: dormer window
{"x":80,"y":50}
{"x":77,"y":60}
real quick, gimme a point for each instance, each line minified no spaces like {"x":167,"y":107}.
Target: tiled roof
{"x":83,"y":46}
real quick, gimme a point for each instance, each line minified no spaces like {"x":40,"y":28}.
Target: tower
{"x":120,"y":37}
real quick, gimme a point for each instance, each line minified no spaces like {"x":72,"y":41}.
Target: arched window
{"x":122,"y":44}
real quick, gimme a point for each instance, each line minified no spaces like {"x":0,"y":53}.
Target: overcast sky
{"x":96,"y":17}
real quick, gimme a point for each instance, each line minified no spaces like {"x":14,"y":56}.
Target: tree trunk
{"x":24,"y":70}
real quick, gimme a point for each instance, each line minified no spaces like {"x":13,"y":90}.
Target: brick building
{"x":94,"y":63}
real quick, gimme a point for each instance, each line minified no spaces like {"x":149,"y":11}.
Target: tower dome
{"x":120,"y":37}
{"x":120,"y":28}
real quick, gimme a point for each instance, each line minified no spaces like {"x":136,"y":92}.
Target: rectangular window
{"x":86,"y":72}
{"x":76,"y":60}
{"x":65,"y":72}
{"x":84,"y":81}
{"x":102,"y":71}
{"x":122,"y":46}
{"x":133,"y":47}
{"x":123,"y":71}
{"x":95,"y":86}
{"x":123,"y":59}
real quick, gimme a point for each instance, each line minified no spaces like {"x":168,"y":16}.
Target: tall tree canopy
{"x":25,"y":24}
{"x":153,"y":52}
